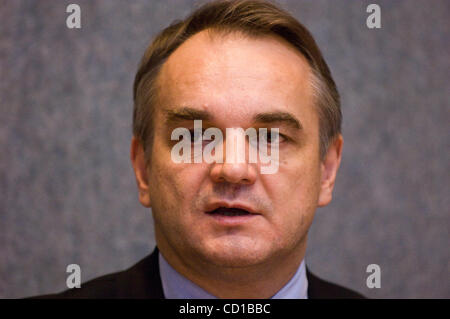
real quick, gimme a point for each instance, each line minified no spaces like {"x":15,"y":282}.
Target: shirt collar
{"x":176,"y":286}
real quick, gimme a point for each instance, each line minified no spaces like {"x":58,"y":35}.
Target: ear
{"x":329,"y":167}
{"x":137,"y":157}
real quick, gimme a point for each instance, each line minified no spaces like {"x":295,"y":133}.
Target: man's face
{"x":235,"y":81}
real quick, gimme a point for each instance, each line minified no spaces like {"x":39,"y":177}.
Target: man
{"x":223,"y":228}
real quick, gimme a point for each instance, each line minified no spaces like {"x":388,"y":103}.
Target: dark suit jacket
{"x":143,"y":281}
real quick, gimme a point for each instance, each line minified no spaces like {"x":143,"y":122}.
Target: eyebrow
{"x":186,"y":114}
{"x":191,"y":114}
{"x":278,"y":117}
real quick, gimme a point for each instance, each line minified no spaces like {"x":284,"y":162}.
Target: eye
{"x":197,"y":137}
{"x":273,"y":136}
{"x":194,"y":137}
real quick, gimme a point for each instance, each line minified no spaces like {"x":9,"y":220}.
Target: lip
{"x":231,"y":220}
{"x":215,"y":205}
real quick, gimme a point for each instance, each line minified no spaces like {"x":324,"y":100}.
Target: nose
{"x":236,"y":173}
{"x":233,"y":170}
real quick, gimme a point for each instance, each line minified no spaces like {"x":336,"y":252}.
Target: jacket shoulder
{"x":321,"y":289}
{"x":101,"y":287}
{"x":139,"y":281}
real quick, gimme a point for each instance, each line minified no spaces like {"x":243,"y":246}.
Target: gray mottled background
{"x":67,"y":190}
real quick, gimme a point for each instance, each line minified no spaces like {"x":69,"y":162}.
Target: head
{"x":235,"y":64}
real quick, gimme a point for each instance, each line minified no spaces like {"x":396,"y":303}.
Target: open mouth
{"x":224,"y":211}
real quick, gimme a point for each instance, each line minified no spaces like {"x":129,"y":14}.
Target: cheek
{"x":294,"y":191}
{"x":298,"y":178}
{"x":173,"y":184}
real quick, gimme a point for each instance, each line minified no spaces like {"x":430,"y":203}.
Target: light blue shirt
{"x":176,"y":286}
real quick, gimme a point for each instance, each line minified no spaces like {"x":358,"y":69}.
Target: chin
{"x":236,"y":252}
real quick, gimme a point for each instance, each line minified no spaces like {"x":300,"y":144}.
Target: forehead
{"x":220,"y":73}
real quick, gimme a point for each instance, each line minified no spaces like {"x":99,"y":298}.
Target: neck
{"x":251,"y":282}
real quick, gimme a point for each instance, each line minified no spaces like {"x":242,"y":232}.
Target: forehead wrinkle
{"x":219,"y":58}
